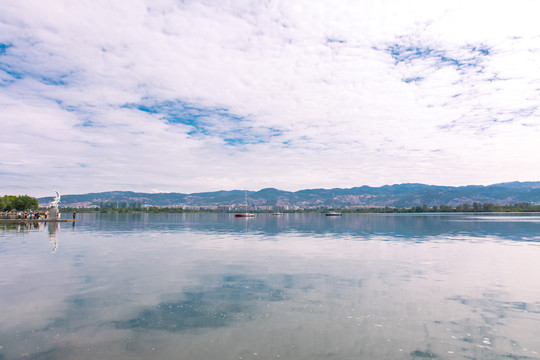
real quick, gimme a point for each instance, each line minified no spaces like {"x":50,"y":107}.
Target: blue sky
{"x":190,"y":96}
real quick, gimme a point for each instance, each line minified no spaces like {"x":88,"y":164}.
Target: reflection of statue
{"x":53,"y":211}
{"x":53,"y":228}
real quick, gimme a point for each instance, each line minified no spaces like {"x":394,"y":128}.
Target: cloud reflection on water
{"x":185,"y":286}
{"x":235,"y":300}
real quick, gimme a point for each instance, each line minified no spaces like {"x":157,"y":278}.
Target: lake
{"x":297,"y":286}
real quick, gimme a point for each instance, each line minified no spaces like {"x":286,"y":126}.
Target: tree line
{"x":26,"y":203}
{"x":18,"y":203}
{"x":108,"y":209}
{"x":474,"y":207}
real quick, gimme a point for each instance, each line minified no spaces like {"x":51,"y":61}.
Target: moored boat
{"x":246,"y":213}
{"x":333,"y":213}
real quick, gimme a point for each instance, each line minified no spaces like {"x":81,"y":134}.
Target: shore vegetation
{"x":18,"y":203}
{"x":462,"y":208}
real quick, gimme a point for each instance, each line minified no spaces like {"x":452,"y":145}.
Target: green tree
{"x":488,"y":207}
{"x":446,"y":208}
{"x":19,"y":203}
{"x":9,"y":202}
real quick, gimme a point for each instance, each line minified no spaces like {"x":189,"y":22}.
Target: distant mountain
{"x":398,"y":195}
{"x":520,"y":185}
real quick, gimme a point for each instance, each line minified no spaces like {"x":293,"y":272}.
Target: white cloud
{"x":291,"y":95}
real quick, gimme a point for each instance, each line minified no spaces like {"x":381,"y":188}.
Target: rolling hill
{"x":398,"y":195}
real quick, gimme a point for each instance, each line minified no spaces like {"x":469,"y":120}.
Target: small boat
{"x":277,"y":213}
{"x":333,"y":213}
{"x":245,"y":214}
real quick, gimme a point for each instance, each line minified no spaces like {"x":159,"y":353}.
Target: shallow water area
{"x":296,"y":286}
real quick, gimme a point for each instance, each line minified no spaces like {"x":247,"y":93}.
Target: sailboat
{"x":245,"y":214}
{"x":333,"y":213}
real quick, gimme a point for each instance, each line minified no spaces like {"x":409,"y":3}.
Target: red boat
{"x":245,"y":214}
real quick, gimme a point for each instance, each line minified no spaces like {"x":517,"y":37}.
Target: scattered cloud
{"x":196,"y":96}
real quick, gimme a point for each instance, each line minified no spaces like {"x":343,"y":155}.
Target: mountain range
{"x":398,"y":195}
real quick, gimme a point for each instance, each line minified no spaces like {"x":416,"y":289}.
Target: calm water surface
{"x":297,"y":286}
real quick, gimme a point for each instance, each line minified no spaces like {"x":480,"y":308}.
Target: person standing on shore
{"x":74,"y":214}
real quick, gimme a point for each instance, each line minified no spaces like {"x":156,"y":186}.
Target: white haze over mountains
{"x":190,"y":96}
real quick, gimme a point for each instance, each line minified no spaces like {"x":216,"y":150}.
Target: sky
{"x":193,"y":96}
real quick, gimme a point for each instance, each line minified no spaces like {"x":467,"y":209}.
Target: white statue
{"x":53,"y":211}
{"x":56,"y":200}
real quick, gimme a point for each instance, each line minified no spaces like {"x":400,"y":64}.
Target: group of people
{"x":30,"y":215}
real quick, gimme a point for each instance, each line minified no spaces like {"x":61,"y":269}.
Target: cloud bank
{"x":190,"y":96}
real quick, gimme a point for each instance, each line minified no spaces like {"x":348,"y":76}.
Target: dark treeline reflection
{"x":363,"y":226}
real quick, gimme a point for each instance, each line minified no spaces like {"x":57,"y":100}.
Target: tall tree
{"x":19,"y":203}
